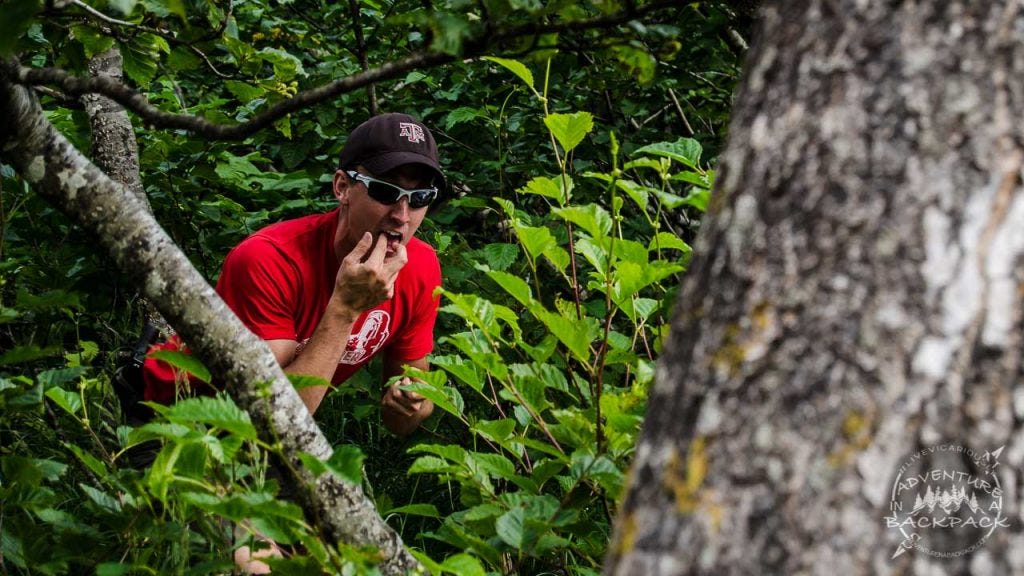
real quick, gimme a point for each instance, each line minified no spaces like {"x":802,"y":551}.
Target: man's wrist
{"x":337,"y":309}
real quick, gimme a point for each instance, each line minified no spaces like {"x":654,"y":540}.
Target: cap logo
{"x":412,"y":132}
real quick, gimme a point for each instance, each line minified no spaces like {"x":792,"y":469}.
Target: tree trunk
{"x":851,"y":325}
{"x":148,"y":257}
{"x":114,"y":149}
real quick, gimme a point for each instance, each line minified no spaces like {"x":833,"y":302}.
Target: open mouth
{"x":393,"y":239}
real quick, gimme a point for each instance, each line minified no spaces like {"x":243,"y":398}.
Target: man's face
{"x":394,"y":224}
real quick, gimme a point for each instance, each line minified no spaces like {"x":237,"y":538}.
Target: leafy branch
{"x":131,"y":99}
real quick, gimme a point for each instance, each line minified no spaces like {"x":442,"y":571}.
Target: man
{"x":330,"y":291}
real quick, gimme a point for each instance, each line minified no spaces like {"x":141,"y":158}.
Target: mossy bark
{"x":856,"y":296}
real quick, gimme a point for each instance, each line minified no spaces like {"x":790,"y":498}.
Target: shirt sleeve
{"x":416,"y":338}
{"x":261,"y":286}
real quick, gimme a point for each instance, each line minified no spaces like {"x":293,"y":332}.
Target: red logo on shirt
{"x":371,"y":336}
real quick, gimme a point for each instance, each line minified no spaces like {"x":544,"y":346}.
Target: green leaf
{"x":591,"y":217}
{"x":465,"y":372}
{"x":140,"y":57}
{"x":463,"y":564}
{"x":569,"y":332}
{"x":92,"y":41}
{"x":184,"y":362}
{"x":286,"y":65}
{"x":569,"y":129}
{"x":594,"y":253}
{"x":547,"y":187}
{"x":164,"y":8}
{"x":461,"y":115}
{"x":514,"y":285}
{"x":125,"y":7}
{"x":244,"y":91}
{"x":535,"y":240}
{"x":101,"y":498}
{"x":636,"y":192}
{"x":114,"y":569}
{"x":70,"y":402}
{"x":15,"y":18}
{"x":500,"y":255}
{"x":637,"y":62}
{"x":218,"y":411}
{"x":20,"y":354}
{"x":432,"y":465}
{"x":347,"y":463}
{"x":668,"y":241}
{"x":426,"y":510}
{"x":516,"y":67}
{"x":446,"y":397}
{"x":300,"y":381}
{"x":90,"y":461}
{"x":685,"y":150}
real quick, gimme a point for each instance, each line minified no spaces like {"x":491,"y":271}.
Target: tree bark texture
{"x":147,"y":256}
{"x":856,"y":299}
{"x":114,"y":148}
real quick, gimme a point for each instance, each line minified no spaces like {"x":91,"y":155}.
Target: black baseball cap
{"x":388,"y":141}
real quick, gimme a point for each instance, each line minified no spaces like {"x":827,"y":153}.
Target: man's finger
{"x":394,"y":263}
{"x":361,"y":247}
{"x":376,"y":257}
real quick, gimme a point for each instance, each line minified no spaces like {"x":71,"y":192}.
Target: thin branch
{"x":136,"y":102}
{"x":101,"y":16}
{"x":679,"y":109}
{"x":357,"y":29}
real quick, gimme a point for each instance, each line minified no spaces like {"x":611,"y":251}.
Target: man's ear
{"x":341,"y":186}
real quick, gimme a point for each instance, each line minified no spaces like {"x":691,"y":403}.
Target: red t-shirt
{"x":279,"y":280}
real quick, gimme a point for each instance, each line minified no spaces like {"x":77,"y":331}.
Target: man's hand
{"x":366,"y":278}
{"x":404,"y":410}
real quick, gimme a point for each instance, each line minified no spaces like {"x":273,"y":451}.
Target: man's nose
{"x":400,"y":210}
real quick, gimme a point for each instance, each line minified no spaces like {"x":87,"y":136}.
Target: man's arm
{"x":402,"y":410}
{"x":364,"y":280}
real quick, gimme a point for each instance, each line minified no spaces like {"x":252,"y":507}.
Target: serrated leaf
{"x":514,"y":66}
{"x":686,"y":151}
{"x":569,"y":129}
{"x":500,"y":255}
{"x":461,"y":115}
{"x":457,"y":366}
{"x":218,"y":412}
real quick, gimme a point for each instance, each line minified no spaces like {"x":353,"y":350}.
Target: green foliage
{"x":576,"y":189}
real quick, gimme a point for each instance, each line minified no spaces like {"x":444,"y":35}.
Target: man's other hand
{"x":403,"y":410}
